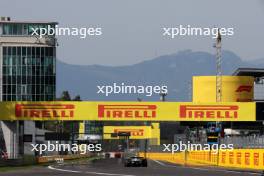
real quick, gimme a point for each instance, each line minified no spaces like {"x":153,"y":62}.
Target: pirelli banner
{"x":136,"y":132}
{"x":128,"y":111}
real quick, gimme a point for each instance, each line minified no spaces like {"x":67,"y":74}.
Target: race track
{"x":114,"y":167}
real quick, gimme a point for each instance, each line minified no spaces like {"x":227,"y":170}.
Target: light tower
{"x":162,"y":96}
{"x":218,"y":46}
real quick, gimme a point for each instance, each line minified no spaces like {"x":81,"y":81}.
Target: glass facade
{"x":93,"y":127}
{"x":23,"y":29}
{"x":28,"y":73}
{"x":259,"y":90}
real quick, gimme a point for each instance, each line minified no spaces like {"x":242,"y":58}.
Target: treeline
{"x":64,"y":126}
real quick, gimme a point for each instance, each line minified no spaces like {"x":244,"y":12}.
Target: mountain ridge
{"x":174,"y":70}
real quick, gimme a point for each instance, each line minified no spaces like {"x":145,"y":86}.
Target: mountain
{"x":174,"y":71}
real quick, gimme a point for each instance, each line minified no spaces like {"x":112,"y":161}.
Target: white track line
{"x":63,"y":170}
{"x":102,"y":173}
{"x":95,"y":173}
{"x":204,"y":169}
{"x":160,"y":163}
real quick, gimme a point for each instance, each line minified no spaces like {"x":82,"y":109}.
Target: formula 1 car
{"x":135,"y":161}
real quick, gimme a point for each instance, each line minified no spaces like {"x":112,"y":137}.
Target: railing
{"x":243,"y":142}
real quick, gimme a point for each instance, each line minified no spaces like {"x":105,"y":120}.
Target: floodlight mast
{"x":218,"y":46}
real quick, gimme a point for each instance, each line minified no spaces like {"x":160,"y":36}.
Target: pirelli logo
{"x":209,"y":111}
{"x":45,"y":110}
{"x":244,"y":88}
{"x":133,"y":132}
{"x":127,"y":111}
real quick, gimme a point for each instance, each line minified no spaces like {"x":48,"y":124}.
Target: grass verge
{"x":15,"y":168}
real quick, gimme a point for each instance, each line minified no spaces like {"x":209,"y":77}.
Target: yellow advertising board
{"x":136,"y":132}
{"x":242,"y":158}
{"x":155,"y":134}
{"x":81,"y":129}
{"x":234,"y":89}
{"x":128,"y":111}
{"x":237,"y":158}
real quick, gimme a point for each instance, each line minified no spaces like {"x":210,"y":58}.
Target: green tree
{"x":64,"y":126}
{"x":77,"y":98}
{"x":65,"y":96}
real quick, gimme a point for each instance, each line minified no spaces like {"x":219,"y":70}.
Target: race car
{"x":135,"y":161}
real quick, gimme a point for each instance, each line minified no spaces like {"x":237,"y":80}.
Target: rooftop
{"x":27,"y":22}
{"x":255,"y":72}
{"x":7,"y":20}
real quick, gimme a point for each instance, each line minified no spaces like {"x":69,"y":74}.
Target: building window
{"x":7,"y":29}
{"x":23,"y":89}
{"x":28,"y":73}
{"x":21,"y":29}
{"x":24,"y":29}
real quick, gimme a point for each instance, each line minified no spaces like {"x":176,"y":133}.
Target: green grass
{"x":81,"y":160}
{"x":15,"y":168}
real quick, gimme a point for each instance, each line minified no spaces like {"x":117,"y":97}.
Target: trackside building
{"x":27,"y":73}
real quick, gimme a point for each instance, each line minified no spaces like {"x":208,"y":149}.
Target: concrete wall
{"x":11,"y":136}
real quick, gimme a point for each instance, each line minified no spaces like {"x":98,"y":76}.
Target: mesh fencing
{"x":243,"y":142}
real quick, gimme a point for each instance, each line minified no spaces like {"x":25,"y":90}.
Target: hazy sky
{"x":132,"y":30}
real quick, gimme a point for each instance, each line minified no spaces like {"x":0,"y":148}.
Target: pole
{"x":187,"y":138}
{"x":146,"y":145}
{"x":127,"y":141}
{"x":218,"y":46}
